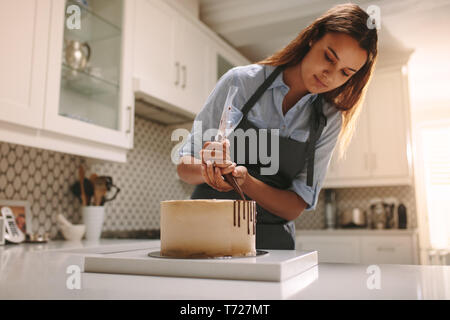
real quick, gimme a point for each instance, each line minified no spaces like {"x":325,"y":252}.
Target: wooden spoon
{"x":93,"y":178}
{"x":99,"y":191}
{"x":81,"y":178}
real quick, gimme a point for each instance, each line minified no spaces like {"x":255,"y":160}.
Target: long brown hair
{"x":347,"y":18}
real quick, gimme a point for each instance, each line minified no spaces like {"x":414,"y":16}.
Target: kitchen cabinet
{"x":222,"y":60}
{"x":379,"y":153}
{"x":361,"y":246}
{"x":94,"y":103}
{"x":45,"y":101}
{"x":175,"y":59}
{"x":169,"y":58}
{"x":154,"y":69}
{"x":24,"y":29}
{"x":343,"y":249}
{"x":191,"y":52}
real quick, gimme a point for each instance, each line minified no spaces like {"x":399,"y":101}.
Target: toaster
{"x":353,"y":218}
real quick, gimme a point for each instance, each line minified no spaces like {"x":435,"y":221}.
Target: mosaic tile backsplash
{"x":43,"y":178}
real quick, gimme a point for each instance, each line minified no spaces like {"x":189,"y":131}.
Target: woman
{"x":312,"y":92}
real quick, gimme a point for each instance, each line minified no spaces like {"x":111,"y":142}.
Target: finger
{"x":220,"y":183}
{"x":228,"y":169}
{"x":240,"y":172}
{"x":226,"y":149}
{"x":210,"y":172}
{"x":205,"y":175}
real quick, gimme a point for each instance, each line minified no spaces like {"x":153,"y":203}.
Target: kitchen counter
{"x":40,"y":271}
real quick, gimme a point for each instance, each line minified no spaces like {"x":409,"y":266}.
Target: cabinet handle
{"x":129,"y":120}
{"x":177,"y":75}
{"x":184,"y":70}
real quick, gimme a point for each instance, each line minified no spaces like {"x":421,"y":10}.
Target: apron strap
{"x":320,"y":120}
{"x":262,"y":88}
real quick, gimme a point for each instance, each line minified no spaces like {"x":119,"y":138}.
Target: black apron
{"x":272,"y":231}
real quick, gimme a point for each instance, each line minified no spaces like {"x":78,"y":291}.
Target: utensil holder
{"x":93,"y":217}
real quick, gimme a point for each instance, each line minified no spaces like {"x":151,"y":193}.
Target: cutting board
{"x":276,"y":265}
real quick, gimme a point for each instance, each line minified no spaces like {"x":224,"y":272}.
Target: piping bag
{"x":223,"y":132}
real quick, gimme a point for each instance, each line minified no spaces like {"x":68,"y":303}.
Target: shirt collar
{"x":278,"y":82}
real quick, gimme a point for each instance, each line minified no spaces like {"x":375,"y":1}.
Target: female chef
{"x":311,"y":91}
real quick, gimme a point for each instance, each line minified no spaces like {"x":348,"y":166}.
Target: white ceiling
{"x":258,"y":28}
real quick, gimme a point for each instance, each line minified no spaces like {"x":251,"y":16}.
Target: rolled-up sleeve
{"x":209,"y":117}
{"x":324,"y":150}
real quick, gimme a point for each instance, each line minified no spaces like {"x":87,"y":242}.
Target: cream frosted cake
{"x":208,"y":228}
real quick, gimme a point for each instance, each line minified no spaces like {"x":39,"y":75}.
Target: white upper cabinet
{"x":24,"y":26}
{"x":155,"y":71}
{"x":51,"y":100}
{"x":355,"y":163}
{"x":94,"y":102}
{"x":379,"y":151}
{"x":191,"y":57}
{"x":389,"y":127}
{"x":175,"y":58}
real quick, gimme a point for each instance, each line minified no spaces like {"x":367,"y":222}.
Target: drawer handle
{"x":390,"y":249}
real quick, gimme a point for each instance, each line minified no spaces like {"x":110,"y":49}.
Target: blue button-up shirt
{"x":267,"y":113}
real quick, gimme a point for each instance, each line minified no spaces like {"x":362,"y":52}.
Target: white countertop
{"x":38,"y":271}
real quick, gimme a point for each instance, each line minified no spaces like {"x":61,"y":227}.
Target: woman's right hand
{"x":215,"y":163}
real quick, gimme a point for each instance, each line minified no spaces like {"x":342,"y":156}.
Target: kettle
{"x":77,"y":54}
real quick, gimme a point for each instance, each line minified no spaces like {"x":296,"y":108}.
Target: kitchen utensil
{"x":100,"y":192}
{"x":71,"y":232}
{"x":88,"y":189}
{"x":391,"y":205}
{"x":82,"y":192}
{"x":92,"y":179}
{"x":108,"y":182}
{"x":223,"y":132}
{"x":77,"y":54}
{"x":378,"y":213}
{"x":330,"y":209}
{"x":402,"y":216}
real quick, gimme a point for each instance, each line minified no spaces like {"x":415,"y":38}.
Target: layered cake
{"x":208,"y":228}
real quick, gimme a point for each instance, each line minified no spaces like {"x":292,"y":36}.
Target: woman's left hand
{"x":213,"y":176}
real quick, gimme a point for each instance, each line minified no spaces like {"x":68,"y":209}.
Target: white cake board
{"x":277,"y":265}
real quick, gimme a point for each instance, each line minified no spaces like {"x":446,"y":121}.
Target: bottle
{"x":330,"y":209}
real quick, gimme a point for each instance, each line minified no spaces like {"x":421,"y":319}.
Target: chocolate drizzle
{"x":250,"y":207}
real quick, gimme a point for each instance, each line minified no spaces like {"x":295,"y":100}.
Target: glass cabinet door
{"x":223,"y":65}
{"x":91,"y":60}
